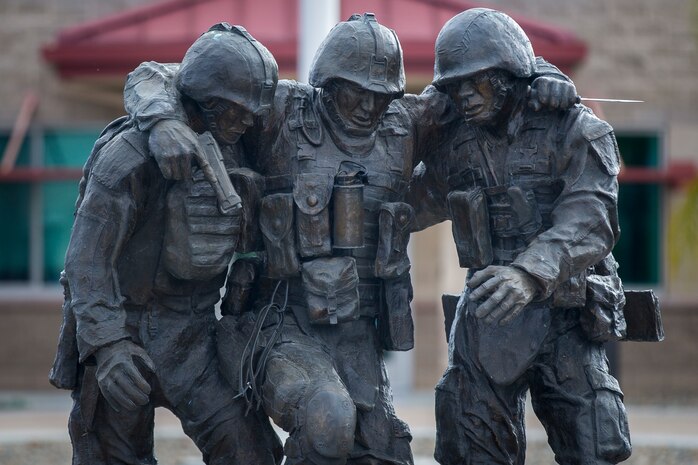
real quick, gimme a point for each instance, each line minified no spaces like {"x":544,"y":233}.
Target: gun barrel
{"x":213,"y":166}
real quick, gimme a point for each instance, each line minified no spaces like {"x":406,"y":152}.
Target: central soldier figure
{"x":306,"y":321}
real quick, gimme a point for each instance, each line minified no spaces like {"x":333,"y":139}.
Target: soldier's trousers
{"x":209,"y":414}
{"x":330,"y":392}
{"x":578,"y":402}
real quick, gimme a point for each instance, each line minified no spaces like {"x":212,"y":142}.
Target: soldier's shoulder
{"x":126,"y":152}
{"x":585,"y":126}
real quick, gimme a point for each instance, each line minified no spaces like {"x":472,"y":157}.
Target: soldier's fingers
{"x":164,"y":165}
{"x":543,"y":91}
{"x":502,"y":306}
{"x":133,"y":377}
{"x":133,"y":391}
{"x":486,"y":288}
{"x":117,"y":398}
{"x":533,"y":99}
{"x":488,"y":306}
{"x":481,"y":276}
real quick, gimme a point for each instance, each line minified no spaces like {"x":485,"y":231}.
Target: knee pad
{"x":329,"y":424}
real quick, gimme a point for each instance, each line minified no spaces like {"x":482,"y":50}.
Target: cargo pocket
{"x":331,"y":290}
{"x":610,"y":420}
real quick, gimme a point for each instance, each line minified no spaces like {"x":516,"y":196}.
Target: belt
{"x":196,"y":302}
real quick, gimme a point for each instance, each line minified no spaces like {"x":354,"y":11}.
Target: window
{"x":638,"y":250}
{"x":49,"y":204}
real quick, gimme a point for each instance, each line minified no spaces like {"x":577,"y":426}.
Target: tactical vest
{"x":309,"y":185}
{"x":501,"y":194}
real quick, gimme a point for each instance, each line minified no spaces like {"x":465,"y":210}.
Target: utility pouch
{"x":199,"y":241}
{"x":395,"y":221}
{"x":238,"y":286}
{"x":602,"y":318}
{"x":250,"y":187}
{"x":643,"y":317}
{"x":331,"y":290}
{"x":276,"y":223}
{"x":312,"y":192}
{"x":471,"y":227}
{"x":395,"y":324}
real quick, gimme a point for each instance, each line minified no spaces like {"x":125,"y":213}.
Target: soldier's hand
{"x":504,"y":292}
{"x":552,"y":93}
{"x":119,"y":378}
{"x":173,"y":144}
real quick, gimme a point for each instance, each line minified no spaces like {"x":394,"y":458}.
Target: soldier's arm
{"x":150,"y":95}
{"x":103,"y":223}
{"x":585,"y":219}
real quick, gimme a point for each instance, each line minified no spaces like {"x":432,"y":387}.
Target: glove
{"x":119,"y":378}
{"x":552,"y":93}
{"x":173,"y":144}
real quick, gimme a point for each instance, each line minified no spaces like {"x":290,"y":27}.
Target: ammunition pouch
{"x":395,"y":324}
{"x":395,"y":221}
{"x":312,"y":193}
{"x":602,"y":318}
{"x":331,"y":290}
{"x":276,"y":223}
{"x":471,"y":227}
{"x":250,"y":187}
{"x":199,"y":241}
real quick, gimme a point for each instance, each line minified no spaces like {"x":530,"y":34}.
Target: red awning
{"x":163,"y":31}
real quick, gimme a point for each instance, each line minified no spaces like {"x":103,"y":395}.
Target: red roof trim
{"x":75,"y":52}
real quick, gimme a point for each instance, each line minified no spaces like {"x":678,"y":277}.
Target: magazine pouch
{"x":276,"y":223}
{"x":471,"y":227}
{"x":395,"y":221}
{"x":312,"y":192}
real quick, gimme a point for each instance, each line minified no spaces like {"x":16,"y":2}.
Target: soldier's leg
{"x":477,"y":422}
{"x":86,"y":448}
{"x":381,"y":437}
{"x":579,"y":403}
{"x":217,"y":423}
{"x":305,"y":396}
{"x":125,"y":437}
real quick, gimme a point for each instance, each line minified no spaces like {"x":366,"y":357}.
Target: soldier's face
{"x":230,"y":121}
{"x":475,"y":98}
{"x":359,"y":109}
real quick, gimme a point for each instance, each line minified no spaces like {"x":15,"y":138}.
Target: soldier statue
{"x":144,"y":268}
{"x":328,"y":289}
{"x":533,"y":201}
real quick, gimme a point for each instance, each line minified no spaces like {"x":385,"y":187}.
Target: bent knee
{"x":329,"y":424}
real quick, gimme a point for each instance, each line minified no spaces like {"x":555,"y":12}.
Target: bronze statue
{"x":329,"y":289}
{"x":533,"y":201}
{"x":144,"y":268}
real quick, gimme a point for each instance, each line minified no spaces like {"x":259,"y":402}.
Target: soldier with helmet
{"x":329,"y":289}
{"x":533,"y":201}
{"x":144,"y":268}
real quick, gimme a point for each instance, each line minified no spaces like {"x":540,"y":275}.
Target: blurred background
{"x":62,"y":70}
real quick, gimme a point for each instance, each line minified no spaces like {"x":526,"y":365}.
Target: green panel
{"x":14,"y":221}
{"x":637,"y":250}
{"x":14,"y":232}
{"x":68,"y":147}
{"x":62,"y":148}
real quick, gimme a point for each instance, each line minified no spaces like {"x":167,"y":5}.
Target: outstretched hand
{"x":173,"y":144}
{"x":118,"y":376}
{"x":505,"y":291}
{"x":552,"y":93}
